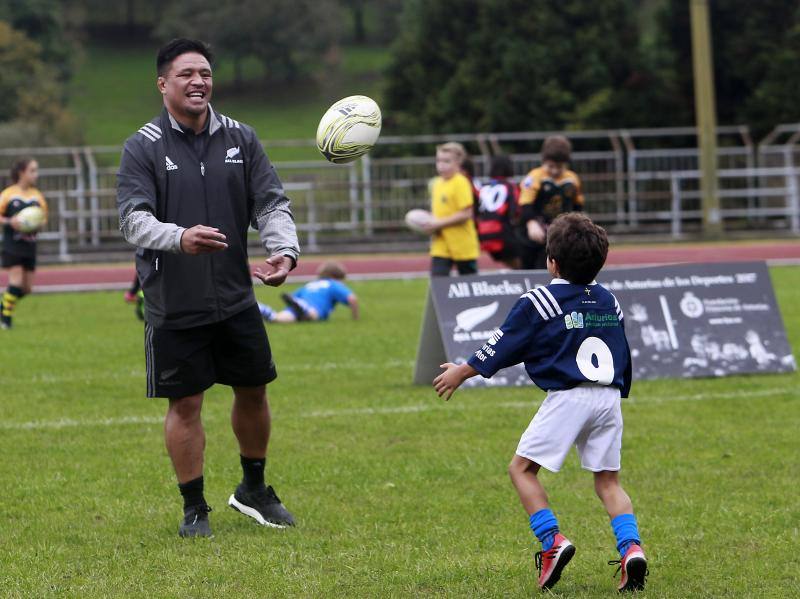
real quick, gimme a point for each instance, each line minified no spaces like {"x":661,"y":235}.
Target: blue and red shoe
{"x":550,"y":563}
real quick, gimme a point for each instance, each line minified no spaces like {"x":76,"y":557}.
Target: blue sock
{"x":627,"y":532}
{"x":267,"y":313}
{"x":545,"y":526}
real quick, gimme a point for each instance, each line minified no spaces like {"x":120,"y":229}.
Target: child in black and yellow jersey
{"x":19,"y":249}
{"x":548,"y":190}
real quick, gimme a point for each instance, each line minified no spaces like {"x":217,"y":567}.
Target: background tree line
{"x":517,"y":65}
{"x":488,"y":65}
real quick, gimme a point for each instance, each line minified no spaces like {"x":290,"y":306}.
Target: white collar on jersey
{"x":565,"y":282}
{"x":213,"y":121}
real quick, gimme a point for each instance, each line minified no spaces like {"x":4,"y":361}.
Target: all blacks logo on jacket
{"x":230,"y":156}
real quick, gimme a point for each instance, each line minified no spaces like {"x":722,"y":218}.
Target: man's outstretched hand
{"x":275,"y":271}
{"x":202,"y":240}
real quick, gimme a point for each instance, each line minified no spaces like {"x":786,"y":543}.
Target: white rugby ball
{"x":349,"y":129}
{"x":417,"y":218}
{"x":30,"y":219}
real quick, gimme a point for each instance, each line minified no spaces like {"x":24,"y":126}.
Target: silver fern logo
{"x":231,"y":154}
{"x":469,"y":319}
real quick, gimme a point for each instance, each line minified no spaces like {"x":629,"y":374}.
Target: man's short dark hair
{"x":556,"y":148}
{"x":578,"y":246}
{"x":174,"y":48}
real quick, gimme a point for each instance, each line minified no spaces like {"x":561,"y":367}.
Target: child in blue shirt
{"x":571,"y":337}
{"x":315,"y":300}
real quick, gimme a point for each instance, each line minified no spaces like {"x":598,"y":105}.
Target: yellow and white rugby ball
{"x":30,"y":219}
{"x":349,"y":129}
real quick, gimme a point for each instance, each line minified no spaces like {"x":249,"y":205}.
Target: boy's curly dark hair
{"x":578,"y":246}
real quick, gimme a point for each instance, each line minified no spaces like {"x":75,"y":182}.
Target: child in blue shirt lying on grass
{"x":315,"y":300}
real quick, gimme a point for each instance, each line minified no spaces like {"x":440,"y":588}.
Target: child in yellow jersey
{"x":454,"y":239}
{"x":546,"y":192}
{"x":18,"y":249}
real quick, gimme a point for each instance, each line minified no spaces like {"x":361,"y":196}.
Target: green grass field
{"x":114,"y":92}
{"x":397,"y":494}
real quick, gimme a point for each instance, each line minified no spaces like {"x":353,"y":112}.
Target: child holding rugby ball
{"x":454,"y":239}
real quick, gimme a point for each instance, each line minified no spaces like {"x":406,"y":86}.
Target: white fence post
{"x":94,"y":202}
{"x":312,"y":221}
{"x":63,"y":234}
{"x":366,"y":178}
{"x":793,"y":199}
{"x":352,"y":179}
{"x":80,"y":197}
{"x":675,"y":189}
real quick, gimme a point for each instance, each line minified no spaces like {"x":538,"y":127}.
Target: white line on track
{"x":434,"y":405}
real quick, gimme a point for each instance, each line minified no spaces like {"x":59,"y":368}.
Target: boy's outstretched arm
{"x":452,"y":377}
{"x":352,"y":301}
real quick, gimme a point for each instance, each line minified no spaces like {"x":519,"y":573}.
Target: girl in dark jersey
{"x":19,"y":249}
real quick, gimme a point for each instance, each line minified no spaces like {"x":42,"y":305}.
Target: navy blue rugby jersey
{"x":565,"y":334}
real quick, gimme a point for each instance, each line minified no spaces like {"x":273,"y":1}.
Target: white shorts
{"x":588,"y":416}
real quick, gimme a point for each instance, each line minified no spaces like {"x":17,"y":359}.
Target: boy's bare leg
{"x":557,"y":551}
{"x":611,"y":493}
{"x":633,"y":563}
{"x":531,"y":492}
{"x":285,"y":316}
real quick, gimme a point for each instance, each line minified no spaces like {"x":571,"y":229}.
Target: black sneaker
{"x":296,"y":307}
{"x":262,"y":505}
{"x":195,"y":522}
{"x":5,"y":322}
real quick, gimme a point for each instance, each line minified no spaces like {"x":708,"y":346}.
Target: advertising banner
{"x":683,"y":320}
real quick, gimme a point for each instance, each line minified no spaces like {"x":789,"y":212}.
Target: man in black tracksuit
{"x":190,"y":183}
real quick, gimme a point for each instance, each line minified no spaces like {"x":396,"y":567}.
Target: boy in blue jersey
{"x":315,"y":300}
{"x":571,"y":338}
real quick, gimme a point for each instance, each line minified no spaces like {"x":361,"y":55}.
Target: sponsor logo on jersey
{"x":578,"y":320}
{"x":230,"y":156}
{"x":574,"y":320}
{"x":171,"y":166}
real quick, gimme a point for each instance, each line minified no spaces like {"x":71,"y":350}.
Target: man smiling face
{"x":186,"y":86}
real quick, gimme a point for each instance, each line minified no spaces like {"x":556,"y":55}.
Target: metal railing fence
{"x":636,"y":181}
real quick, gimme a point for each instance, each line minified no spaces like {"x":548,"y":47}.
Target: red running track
{"x":80,"y":277}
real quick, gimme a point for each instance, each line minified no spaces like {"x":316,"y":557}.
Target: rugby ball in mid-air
{"x":349,"y":129}
{"x":30,"y":219}
{"x":417,"y":219}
